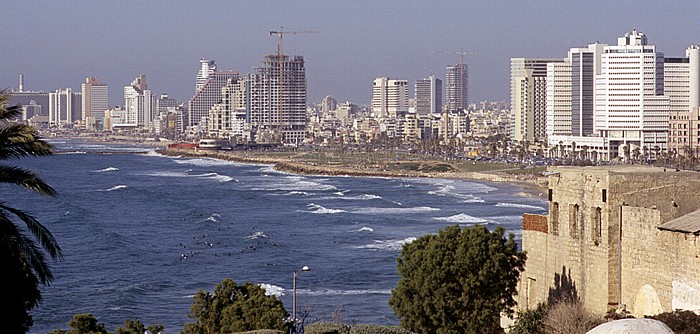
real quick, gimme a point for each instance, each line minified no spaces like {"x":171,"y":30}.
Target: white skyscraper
{"x":428,"y":94}
{"x":94,"y":102}
{"x":63,"y":104}
{"x":529,"y":98}
{"x":139,"y":103}
{"x":631,"y":108}
{"x":389,"y":97}
{"x":207,"y":93}
{"x":207,"y":68}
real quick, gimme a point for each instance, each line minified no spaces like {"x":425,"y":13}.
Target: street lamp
{"x":294,"y":299}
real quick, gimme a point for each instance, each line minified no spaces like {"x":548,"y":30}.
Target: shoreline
{"x":531,"y":187}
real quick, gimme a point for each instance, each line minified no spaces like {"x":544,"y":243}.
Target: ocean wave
{"x":211,"y":176}
{"x":206,"y":162}
{"x":392,"y":245}
{"x":256,"y":235}
{"x":462,"y":219}
{"x":302,"y":193}
{"x":121,"y":186}
{"x":341,"y":193}
{"x":376,"y":211}
{"x":520,"y":206}
{"x":213,"y":218}
{"x":364,"y":229}
{"x":450,"y":191}
{"x":296,"y":183}
{"x":108,"y":169}
{"x":320,"y":209}
{"x":272,"y":290}
{"x":337,"y":292}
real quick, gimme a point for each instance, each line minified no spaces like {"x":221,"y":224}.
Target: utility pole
{"x":280,"y":67}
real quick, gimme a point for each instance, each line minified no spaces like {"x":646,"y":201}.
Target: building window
{"x":573,"y":220}
{"x":605,"y":195}
{"x":554,"y":215}
{"x":597,"y":225}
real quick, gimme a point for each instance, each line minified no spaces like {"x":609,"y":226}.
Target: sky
{"x":56,"y":44}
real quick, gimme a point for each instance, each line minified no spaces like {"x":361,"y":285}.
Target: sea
{"x":142,"y":233}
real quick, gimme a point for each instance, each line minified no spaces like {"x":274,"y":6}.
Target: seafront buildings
{"x":209,"y":82}
{"x":457,"y":87}
{"x":389,"y":97}
{"x":94,"y":102}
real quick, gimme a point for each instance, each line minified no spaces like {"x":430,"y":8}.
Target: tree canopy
{"x":235,"y":308}
{"x":23,"y":264}
{"x":458,"y":281}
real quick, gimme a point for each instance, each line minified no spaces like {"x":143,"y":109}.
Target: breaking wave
{"x":121,"y":186}
{"x":320,"y":209}
{"x":462,"y":219}
{"x":391,"y":245}
{"x":256,"y":235}
{"x":108,"y":169}
{"x":364,"y":229}
{"x":521,"y":206}
{"x":337,"y":292}
{"x":377,"y":211}
{"x":272,"y":290}
{"x":210,"y":176}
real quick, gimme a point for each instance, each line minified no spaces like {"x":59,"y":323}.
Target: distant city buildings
{"x":457,"y":87}
{"x":428,"y":95}
{"x":208,"y":86}
{"x":95,"y":99}
{"x":389,"y":97}
{"x":139,"y":103}
{"x":63,"y":108}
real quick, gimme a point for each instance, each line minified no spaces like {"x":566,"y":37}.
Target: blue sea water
{"x":142,"y":233}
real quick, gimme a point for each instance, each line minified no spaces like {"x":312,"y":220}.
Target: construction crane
{"x":461,"y":55}
{"x":280,"y":66}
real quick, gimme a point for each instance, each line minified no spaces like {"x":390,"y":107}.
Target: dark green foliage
{"x":376,"y":329}
{"x":23,"y":265}
{"x":458,"y":281}
{"x":262,"y":331}
{"x":530,"y":321}
{"x":235,"y":308}
{"x":83,"y":323}
{"x":135,"y":326}
{"x":326,"y":328}
{"x":681,"y":322}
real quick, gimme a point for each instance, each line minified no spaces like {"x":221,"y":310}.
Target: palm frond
{"x":25,"y":179}
{"x":19,"y":140}
{"x":16,"y":242}
{"x":40,"y":232}
{"x":8,"y":113}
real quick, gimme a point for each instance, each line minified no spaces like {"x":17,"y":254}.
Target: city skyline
{"x":356,"y":43}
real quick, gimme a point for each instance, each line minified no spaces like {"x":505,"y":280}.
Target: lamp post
{"x":294,"y":299}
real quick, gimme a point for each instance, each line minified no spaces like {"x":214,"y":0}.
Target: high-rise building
{"x":682,"y":86}
{"x":529,"y":98}
{"x":457,"y":87}
{"x":228,"y":118}
{"x":328,"y":104}
{"x":277,"y":109}
{"x":139,"y":103}
{"x":428,"y":94}
{"x":63,"y":107}
{"x":94,"y":102}
{"x":389,"y":97}
{"x":209,"y":82}
{"x":631,"y":110}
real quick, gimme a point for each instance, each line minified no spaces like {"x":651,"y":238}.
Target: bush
{"x":567,"y":317}
{"x":681,"y":322}
{"x":326,"y":328}
{"x":530,"y":321}
{"x":376,"y":329}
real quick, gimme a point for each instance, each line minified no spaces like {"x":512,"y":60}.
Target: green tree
{"x":135,"y":326}
{"x":458,"y":281}
{"x":235,"y":308}
{"x":83,"y":323}
{"x":23,"y":264}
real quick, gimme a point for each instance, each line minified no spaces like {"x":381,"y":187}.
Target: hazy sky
{"x":56,"y":44}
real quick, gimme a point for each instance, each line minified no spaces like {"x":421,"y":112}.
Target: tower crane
{"x":461,"y":55}
{"x":280,"y":65}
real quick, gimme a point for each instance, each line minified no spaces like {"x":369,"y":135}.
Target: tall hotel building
{"x":529,"y":98}
{"x":63,"y":107}
{"x":457,"y":87}
{"x":682,"y":86}
{"x":139,"y":103}
{"x":94,"y":102}
{"x":278,"y":98}
{"x":428,"y":93}
{"x":389,"y":97}
{"x":208,"y":86}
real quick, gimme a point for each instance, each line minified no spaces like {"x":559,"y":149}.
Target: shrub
{"x":376,"y":329}
{"x":569,"y":317}
{"x":530,"y":321}
{"x":326,"y":328}
{"x":681,"y":322}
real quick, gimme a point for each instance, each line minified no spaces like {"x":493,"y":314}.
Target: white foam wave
{"x":336,"y":292}
{"x":321,"y":210}
{"x":374,"y":210}
{"x":213,"y":217}
{"x":341,"y":193}
{"x":521,"y":206}
{"x":364,"y":229}
{"x":296,"y":183}
{"x":272,"y":290}
{"x":392,"y":245}
{"x":210,"y":176}
{"x":256,"y":235}
{"x":462,"y":219}
{"x":302,"y":193}
{"x":450,"y":191}
{"x":117,"y":187}
{"x":206,"y":162}
{"x":108,"y":169}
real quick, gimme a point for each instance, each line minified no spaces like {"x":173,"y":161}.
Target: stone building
{"x":616,"y":237}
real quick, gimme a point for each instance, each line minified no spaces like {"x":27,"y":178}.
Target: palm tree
{"x":22,"y":262}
